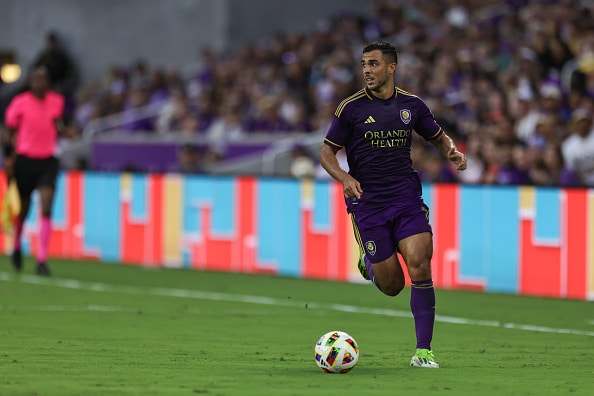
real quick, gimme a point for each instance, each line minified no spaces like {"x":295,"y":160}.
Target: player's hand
{"x":457,"y":158}
{"x":9,"y":167}
{"x":351,"y":187}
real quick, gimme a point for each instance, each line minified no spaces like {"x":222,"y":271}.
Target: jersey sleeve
{"x":338,"y":133}
{"x":426,"y":126}
{"x":334,"y":137}
{"x":13,"y":114}
{"x":59,"y":106}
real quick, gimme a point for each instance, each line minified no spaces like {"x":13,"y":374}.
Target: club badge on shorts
{"x":370,"y":247}
{"x":405,"y":115}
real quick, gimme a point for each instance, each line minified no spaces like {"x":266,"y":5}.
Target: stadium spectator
{"x":134,"y":118}
{"x":578,"y":148}
{"x":266,"y":118}
{"x":62,"y":71}
{"x":474,"y":160}
{"x":227,"y":128}
{"x":205,"y":76}
{"x":508,"y":172}
{"x":211,"y":157}
{"x":295,"y":114}
{"x":524,"y":160}
{"x":188,"y":160}
{"x":159,"y":87}
{"x":491,"y":157}
{"x":552,"y":171}
{"x":116,"y":94}
{"x":432,"y":169}
{"x":174,"y":112}
{"x":302,"y":164}
{"x":206,"y":110}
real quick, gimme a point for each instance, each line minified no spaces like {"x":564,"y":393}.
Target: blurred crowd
{"x":511,"y":80}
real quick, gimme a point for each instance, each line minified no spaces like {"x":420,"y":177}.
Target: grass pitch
{"x":100,"y":329}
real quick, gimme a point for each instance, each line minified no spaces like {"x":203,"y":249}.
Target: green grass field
{"x":101,"y":329}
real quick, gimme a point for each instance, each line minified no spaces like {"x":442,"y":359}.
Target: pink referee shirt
{"x":34,"y":120}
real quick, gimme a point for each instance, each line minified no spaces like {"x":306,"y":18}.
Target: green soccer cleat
{"x":362,"y":267}
{"x":424,"y":358}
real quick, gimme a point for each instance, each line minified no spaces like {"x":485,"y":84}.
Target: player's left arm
{"x":59,"y":117}
{"x":60,"y":126}
{"x":449,"y":151}
{"x":427,"y":127}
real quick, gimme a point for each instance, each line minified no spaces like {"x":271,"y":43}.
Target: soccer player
{"x":32,"y":119}
{"x":382,"y":191}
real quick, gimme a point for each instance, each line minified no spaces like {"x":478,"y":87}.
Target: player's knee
{"x":420,"y":269}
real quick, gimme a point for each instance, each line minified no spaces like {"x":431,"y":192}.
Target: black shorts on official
{"x":31,"y":173}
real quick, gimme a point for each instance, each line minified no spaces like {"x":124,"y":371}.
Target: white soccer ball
{"x":336,"y":352}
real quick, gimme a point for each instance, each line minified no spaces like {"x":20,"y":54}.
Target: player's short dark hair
{"x":388,"y":50}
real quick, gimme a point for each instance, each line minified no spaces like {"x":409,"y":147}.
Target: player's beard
{"x":378,"y":83}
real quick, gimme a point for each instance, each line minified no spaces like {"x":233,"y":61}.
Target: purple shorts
{"x":378,"y":231}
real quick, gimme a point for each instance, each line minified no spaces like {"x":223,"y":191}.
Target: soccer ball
{"x":336,"y":352}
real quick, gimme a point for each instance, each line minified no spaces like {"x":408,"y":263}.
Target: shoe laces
{"x":425,"y":354}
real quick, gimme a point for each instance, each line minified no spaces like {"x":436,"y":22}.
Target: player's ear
{"x":392,"y":67}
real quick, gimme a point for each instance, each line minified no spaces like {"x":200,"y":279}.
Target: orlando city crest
{"x":405,"y":115}
{"x":370,"y":247}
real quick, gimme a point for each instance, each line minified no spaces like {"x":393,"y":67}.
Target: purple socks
{"x":422,"y":306}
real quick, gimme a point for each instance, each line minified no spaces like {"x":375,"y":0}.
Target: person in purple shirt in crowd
{"x":557,"y":172}
{"x":134,"y":117}
{"x":382,"y":191}
{"x":513,"y":169}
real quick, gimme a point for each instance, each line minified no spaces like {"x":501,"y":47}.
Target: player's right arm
{"x":329,"y":162}
{"x":336,"y":138}
{"x":12,"y":120}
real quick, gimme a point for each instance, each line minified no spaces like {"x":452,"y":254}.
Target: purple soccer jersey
{"x":377,"y":135}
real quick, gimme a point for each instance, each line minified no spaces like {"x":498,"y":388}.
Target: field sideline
{"x":106,"y":329}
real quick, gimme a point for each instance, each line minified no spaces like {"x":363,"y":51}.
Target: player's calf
{"x":389,"y":277}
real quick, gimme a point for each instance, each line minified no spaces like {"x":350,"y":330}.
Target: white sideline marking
{"x":117,"y":309}
{"x":262,"y":300}
{"x":82,"y":308}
